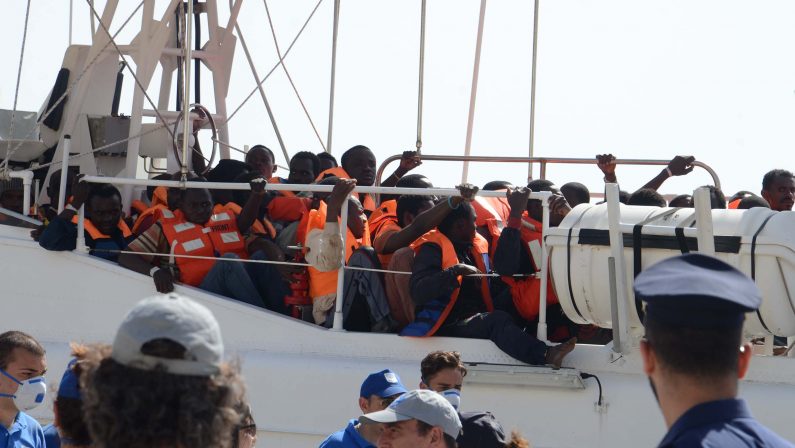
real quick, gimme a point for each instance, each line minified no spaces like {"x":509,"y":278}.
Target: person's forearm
{"x":135,"y":263}
{"x":249,"y":212}
{"x":428,"y":280}
{"x":393,"y":179}
{"x":657,"y":181}
{"x":60,"y":235}
{"x":506,"y":256}
{"x":422,"y":224}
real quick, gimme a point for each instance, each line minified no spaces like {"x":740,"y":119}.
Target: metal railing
{"x":542,"y":161}
{"x":338,"y":313}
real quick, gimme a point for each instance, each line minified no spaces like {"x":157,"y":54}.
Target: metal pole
{"x":81,"y":235}
{"x":338,"y":316}
{"x":71,"y":9}
{"x":186,"y":122}
{"x":67,"y":144}
{"x":611,"y":277}
{"x":422,"y":77}
{"x":36,"y":193}
{"x":474,"y":91}
{"x":27,"y":180}
{"x":704,"y":231}
{"x":542,"y":303}
{"x":617,"y":249}
{"x":333,"y":74}
{"x":533,"y":93}
{"x":93,"y":25}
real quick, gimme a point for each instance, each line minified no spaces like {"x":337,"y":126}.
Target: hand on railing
{"x":258,"y":185}
{"x":164,"y":281}
{"x":80,"y":191}
{"x":517,"y":200}
{"x":468,"y":193}
{"x":342,"y":190}
{"x":607,"y":164}
{"x":464,"y":269}
{"x":408,"y":161}
{"x":558,"y":205}
{"x":681,"y":165}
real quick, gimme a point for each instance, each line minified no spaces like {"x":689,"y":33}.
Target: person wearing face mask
{"x":378,"y":391}
{"x":22,"y":388}
{"x":693,"y":351}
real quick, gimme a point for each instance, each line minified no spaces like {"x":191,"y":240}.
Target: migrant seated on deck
{"x":105,"y":232}
{"x":200,"y":233}
{"x":452,"y":302}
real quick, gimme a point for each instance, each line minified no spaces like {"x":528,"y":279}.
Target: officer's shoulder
{"x":334,"y":440}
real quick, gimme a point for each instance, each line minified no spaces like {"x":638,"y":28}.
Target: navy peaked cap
{"x":696,"y":291}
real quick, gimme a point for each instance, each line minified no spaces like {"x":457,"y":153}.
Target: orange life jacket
{"x":490,"y":208}
{"x":160,"y":196}
{"x":385,"y":214}
{"x":325,"y":283}
{"x":137,"y":207}
{"x":429,"y":318}
{"x":286,"y":206}
{"x":218,"y":236}
{"x":154,"y":212}
{"x":263,"y":227}
{"x":734,"y":204}
{"x":368,"y":204}
{"x":526,"y":292}
{"x":108,"y":248}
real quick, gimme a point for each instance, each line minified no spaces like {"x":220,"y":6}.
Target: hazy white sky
{"x":640,"y":79}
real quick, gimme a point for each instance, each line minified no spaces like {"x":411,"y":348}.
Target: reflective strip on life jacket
{"x":431,"y":316}
{"x":217,"y":237}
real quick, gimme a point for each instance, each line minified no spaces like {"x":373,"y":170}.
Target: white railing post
{"x":704,"y":232}
{"x":338,"y":316}
{"x":81,"y":246}
{"x":27,"y":180}
{"x":542,"y":302}
{"x":67,"y":145}
{"x":617,"y":249}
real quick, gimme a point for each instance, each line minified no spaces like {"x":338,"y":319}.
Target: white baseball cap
{"x":424,"y":405}
{"x":175,"y":318}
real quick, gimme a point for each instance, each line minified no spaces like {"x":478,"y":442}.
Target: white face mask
{"x":29,"y":394}
{"x":453,"y":396}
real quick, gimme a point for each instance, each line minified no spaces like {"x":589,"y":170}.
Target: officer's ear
{"x":649,"y":359}
{"x":744,"y":359}
{"x":364,"y":404}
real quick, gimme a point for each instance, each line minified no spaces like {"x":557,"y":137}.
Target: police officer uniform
{"x":695,"y":291}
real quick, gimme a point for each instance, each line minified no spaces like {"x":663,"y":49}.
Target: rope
{"x":281,"y":263}
{"x":262,"y":93}
{"x":422,"y":78}
{"x":335,"y":33}
{"x":474,"y":92}
{"x":19,"y":77}
{"x":69,"y":90}
{"x":290,"y":78}
{"x":279,"y":62}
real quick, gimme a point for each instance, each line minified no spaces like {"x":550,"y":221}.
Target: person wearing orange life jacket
{"x":193,"y":229}
{"x":324,"y":245}
{"x":385,"y":216}
{"x":359,"y":163}
{"x":289,"y":206}
{"x":105,"y":231}
{"x":452,"y":302}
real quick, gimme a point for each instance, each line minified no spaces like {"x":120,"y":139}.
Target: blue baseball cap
{"x":69,"y":387}
{"x":696,"y":291}
{"x":385,"y":383}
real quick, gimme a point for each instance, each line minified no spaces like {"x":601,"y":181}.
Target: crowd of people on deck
{"x":463,"y":266}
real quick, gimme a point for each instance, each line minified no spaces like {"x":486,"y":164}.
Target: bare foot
{"x":556,"y":353}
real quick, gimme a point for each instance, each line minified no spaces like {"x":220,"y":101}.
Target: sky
{"x":639,"y":79}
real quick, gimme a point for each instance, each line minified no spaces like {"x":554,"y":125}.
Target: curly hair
{"x":136,"y":408}
{"x":71,"y":423}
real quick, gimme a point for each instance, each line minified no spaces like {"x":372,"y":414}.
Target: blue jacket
{"x":346,"y":438}
{"x":61,"y":235}
{"x":24,"y":433}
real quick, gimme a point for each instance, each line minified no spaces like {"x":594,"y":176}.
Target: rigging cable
{"x":290,"y":78}
{"x":19,"y":77}
{"x":474,"y":92}
{"x":261,"y":93}
{"x":333,"y":73}
{"x":531,"y":150}
{"x":421,"y":82}
{"x":279,"y":62}
{"x":71,"y":87}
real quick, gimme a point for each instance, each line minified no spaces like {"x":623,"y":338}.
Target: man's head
{"x":379,"y":390}
{"x":304,"y":168}
{"x":174,"y":195}
{"x":497,"y":185}
{"x":21,"y":358}
{"x":359,"y":163}
{"x":357,"y":220}
{"x":104,"y":207}
{"x":694,"y":316}
{"x":417,"y":419}
{"x":166,"y":367}
{"x":534,"y":208}
{"x":261,"y":160}
{"x":12,"y":195}
{"x":196,"y":204}
{"x":683,"y":200}
{"x":441,"y":371}
{"x":778,"y":189}
{"x":409,"y":181}
{"x":226,"y":171}
{"x":647,"y":197}
{"x":459,"y":224}
{"x":575,"y":193}
{"x":716,"y":198}
{"x":752,"y":202}
{"x":54,"y":185}
{"x":327,"y":161}
{"x":409,"y":206}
